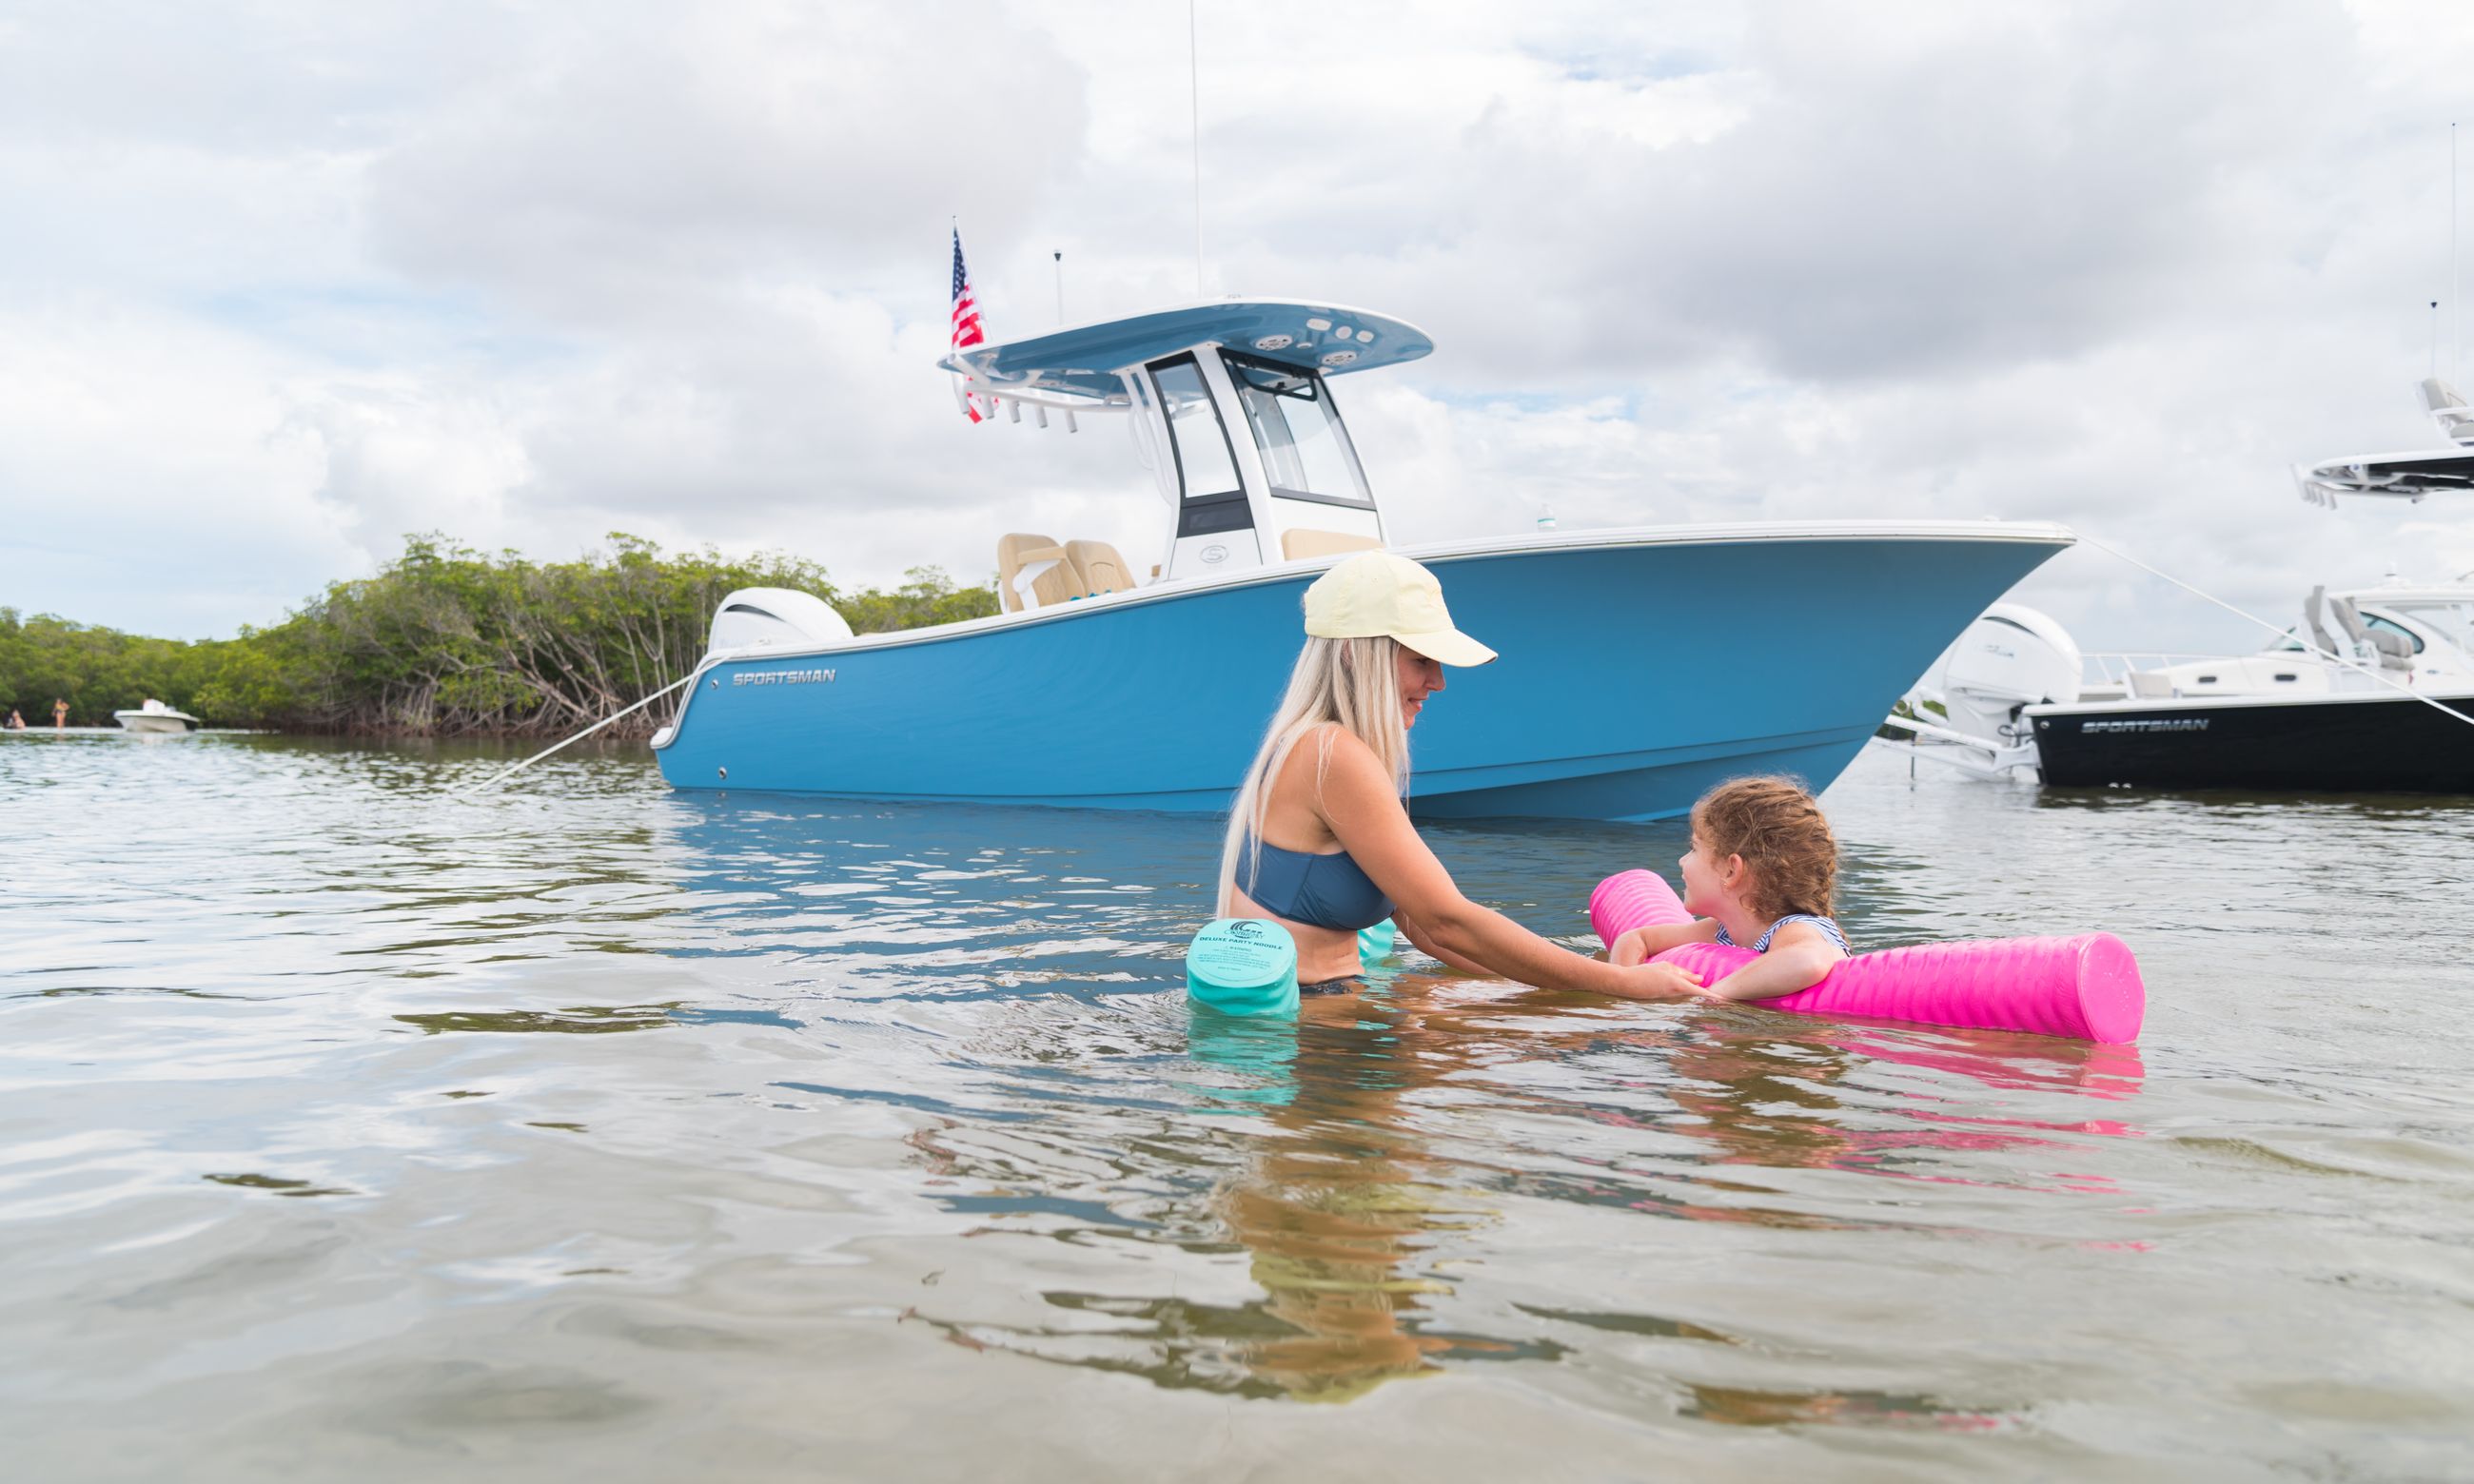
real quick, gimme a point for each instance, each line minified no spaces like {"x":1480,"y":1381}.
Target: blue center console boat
{"x":1640,"y":665}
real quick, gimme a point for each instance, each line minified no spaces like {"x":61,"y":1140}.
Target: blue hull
{"x":1634,"y":676}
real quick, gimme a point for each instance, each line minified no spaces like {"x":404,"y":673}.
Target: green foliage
{"x":927,"y":597}
{"x":97,"y":671}
{"x":446,"y":639}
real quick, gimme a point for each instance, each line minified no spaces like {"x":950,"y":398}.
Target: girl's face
{"x":1705,"y":880}
{"x":1419,"y":678}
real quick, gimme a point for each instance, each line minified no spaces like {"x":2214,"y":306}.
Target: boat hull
{"x":149,"y":725}
{"x":2365,"y":744}
{"x":1634,"y":674}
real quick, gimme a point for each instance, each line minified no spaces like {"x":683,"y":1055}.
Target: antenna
{"x":2435,"y":338}
{"x":2456,"y":300}
{"x":1059,"y":256}
{"x":1194,"y":97}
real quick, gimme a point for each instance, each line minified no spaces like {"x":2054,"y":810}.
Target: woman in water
{"x":1319,"y":841}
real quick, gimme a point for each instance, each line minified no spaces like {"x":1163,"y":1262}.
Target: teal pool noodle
{"x":1243,"y":966}
{"x":1375,"y":943}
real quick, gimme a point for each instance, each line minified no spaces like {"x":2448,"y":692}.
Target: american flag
{"x":966,"y":318}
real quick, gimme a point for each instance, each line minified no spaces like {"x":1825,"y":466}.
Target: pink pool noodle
{"x":2086,"y":988}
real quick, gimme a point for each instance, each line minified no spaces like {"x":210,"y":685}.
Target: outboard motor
{"x":775,"y":618}
{"x":2012,"y":657}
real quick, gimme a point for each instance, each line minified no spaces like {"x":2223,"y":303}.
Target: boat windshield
{"x":2453,"y":619}
{"x":2457,"y":628}
{"x":1306,"y":452}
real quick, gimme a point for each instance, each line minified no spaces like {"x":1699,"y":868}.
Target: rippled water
{"x":591,"y":1131}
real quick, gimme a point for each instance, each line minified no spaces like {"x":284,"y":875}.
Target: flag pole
{"x":1194,"y":99}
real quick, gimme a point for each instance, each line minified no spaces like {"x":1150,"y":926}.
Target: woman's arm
{"x":1424,"y":942}
{"x":1800,"y":957}
{"x":1363,"y":813}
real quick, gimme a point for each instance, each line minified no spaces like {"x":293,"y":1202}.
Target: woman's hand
{"x":1657,"y":981}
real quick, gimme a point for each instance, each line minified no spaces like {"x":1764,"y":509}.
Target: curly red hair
{"x":1778,"y":827}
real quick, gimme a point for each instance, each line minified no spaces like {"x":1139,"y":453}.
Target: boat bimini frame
{"x":2408,"y":476}
{"x":1230,"y":408}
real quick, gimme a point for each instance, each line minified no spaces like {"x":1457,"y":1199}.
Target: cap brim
{"x":1448,"y":645}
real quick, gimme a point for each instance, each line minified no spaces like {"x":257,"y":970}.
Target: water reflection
{"x":1316,"y":1173}
{"x":1739,"y":1406}
{"x":574,"y":1021}
{"x":1343,"y":1208}
{"x":277,"y":1185}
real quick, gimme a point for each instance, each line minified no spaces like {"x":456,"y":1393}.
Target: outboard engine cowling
{"x":775,"y":618}
{"x":2012,"y":657}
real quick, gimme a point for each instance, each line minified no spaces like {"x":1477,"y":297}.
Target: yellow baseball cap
{"x":1375,"y":592}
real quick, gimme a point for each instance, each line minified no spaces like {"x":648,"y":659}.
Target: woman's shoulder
{"x":1326,"y":742}
{"x":1328,"y":756}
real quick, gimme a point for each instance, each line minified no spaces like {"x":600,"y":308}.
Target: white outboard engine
{"x":2013,"y":656}
{"x":775,"y":618}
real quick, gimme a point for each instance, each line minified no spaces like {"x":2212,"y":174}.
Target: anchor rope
{"x":495,"y":779}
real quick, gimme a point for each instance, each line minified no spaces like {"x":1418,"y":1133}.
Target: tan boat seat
{"x":1103,"y":569}
{"x":1300,"y":545}
{"x":1035,"y":563}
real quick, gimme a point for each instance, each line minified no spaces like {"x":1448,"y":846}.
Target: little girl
{"x":1759,"y":872}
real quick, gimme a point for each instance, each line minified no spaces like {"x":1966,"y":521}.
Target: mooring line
{"x":2277,"y":629}
{"x":497,"y":779}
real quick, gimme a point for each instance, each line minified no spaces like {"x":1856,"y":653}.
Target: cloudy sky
{"x":282,"y":282}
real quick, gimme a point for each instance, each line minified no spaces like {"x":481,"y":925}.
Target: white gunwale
{"x":2034,"y":533}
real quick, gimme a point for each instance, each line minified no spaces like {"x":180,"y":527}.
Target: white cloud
{"x":295,"y":281}
{"x":145,"y":469}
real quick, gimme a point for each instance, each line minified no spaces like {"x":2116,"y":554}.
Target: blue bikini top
{"x":1321,"y":891}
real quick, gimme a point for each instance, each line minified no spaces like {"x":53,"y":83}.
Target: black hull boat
{"x":2371,"y":744}
{"x":2372,"y":693}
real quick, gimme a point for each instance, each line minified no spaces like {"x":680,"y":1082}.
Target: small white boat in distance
{"x":154,"y":716}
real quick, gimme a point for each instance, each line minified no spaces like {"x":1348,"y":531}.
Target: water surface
{"x":349,"y":1129}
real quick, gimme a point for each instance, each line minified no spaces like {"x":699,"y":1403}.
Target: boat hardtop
{"x":1087,"y":366}
{"x":2410,"y":475}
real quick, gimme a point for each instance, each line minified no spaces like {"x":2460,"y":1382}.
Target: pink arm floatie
{"x":2086,"y":988}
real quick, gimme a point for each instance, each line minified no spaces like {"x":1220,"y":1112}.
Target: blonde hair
{"x":1778,"y":829}
{"x":1354,"y":683}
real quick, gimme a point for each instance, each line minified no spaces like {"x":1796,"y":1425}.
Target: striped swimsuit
{"x":1824,"y":924}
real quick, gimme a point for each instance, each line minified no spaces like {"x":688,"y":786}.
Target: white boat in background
{"x":2365,"y":709}
{"x":156,"y":718}
{"x":2371,"y":692}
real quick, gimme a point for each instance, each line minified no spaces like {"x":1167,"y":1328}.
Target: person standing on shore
{"x":59,"y":714}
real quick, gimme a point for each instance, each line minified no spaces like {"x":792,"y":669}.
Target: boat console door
{"x":1217,"y":528}
{"x":1259,"y":466}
